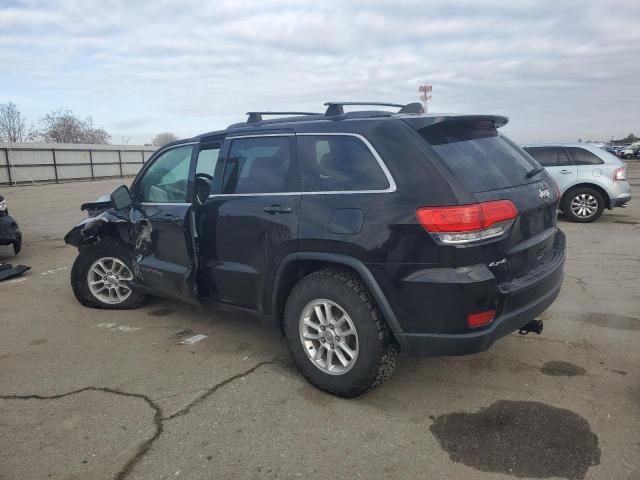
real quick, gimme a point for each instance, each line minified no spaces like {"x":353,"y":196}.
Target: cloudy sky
{"x":561,"y":70}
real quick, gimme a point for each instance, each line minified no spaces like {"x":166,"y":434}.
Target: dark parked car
{"x":359,"y":234}
{"x":9,"y":231}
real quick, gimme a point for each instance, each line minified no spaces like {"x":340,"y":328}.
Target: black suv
{"x":360,"y":234}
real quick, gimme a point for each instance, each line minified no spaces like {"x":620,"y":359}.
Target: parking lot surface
{"x":90,"y":393}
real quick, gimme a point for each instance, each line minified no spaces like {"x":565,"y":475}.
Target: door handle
{"x":565,"y":171}
{"x":277,"y":209}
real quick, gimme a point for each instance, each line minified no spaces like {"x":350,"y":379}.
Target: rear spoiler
{"x":427,"y":121}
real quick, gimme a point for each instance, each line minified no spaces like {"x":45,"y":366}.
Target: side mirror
{"x":121,"y":198}
{"x":202,"y":190}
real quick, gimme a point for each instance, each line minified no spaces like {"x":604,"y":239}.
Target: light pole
{"x":425,"y":95}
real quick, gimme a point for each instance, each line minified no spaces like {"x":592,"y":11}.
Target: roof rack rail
{"x":255,"y":117}
{"x":336,"y":108}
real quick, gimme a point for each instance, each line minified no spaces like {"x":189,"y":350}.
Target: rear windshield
{"x":481,"y":158}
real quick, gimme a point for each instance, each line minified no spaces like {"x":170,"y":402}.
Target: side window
{"x":166,"y":179}
{"x":563,"y":157}
{"x":338,"y":163}
{"x":581,"y":156}
{"x":208,"y":160}
{"x":546,"y":156}
{"x":259,"y":165}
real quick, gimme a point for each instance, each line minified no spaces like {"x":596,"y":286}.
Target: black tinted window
{"x":478,"y":156}
{"x":583,"y":157}
{"x":259,"y":165}
{"x":338,"y":163}
{"x":546,"y":156}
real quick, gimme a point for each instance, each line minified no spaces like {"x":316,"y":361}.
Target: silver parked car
{"x":590,"y":178}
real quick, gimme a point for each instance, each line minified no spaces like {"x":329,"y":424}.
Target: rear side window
{"x":546,"y":156}
{"x":481,"y":158}
{"x":259,"y":165}
{"x":338,"y":163}
{"x":581,"y":156}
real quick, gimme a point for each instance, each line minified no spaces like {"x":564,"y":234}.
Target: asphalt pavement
{"x":93,"y":394}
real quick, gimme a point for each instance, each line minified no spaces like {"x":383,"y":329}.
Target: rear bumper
{"x":619,"y":194}
{"x":442,"y":344}
{"x":522,"y":300}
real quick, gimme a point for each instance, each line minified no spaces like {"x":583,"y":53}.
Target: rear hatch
{"x":491,"y":167}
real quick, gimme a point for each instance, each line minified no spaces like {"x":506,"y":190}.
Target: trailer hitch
{"x":534,"y":326}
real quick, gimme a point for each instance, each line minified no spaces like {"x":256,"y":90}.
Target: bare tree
{"x":163,"y":139}
{"x":62,"y":126}
{"x":13,"y":125}
{"x":94,"y":134}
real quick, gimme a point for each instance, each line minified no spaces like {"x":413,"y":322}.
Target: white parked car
{"x":632,"y":151}
{"x":590,"y":179}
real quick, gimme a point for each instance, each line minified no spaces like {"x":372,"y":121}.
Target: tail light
{"x":480,"y":319}
{"x":468,"y":223}
{"x":620,"y":174}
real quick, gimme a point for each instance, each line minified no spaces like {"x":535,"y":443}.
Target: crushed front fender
{"x":94,"y":229}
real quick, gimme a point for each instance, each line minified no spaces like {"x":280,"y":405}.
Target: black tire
{"x":575,"y":192}
{"x":79,"y":273}
{"x":17,"y":245}
{"x":378,"y":352}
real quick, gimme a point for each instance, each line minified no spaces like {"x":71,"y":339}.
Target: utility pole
{"x":425,"y":95}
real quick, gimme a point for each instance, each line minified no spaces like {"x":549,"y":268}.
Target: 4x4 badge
{"x":544,"y":193}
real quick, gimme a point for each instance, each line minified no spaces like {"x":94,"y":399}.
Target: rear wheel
{"x":101,"y":277}
{"x":336,"y":334}
{"x":583,"y":204}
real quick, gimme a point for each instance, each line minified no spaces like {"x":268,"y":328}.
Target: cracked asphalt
{"x":92,"y":394}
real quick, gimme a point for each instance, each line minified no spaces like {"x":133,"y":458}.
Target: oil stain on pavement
{"x":612,"y":320}
{"x":520,"y":438}
{"x":558,"y":368}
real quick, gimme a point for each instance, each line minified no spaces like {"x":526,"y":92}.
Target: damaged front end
{"x":10,"y":233}
{"x":127,"y":226}
{"x":94,"y":229}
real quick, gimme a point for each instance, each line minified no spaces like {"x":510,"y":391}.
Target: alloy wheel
{"x":584,"y":205}
{"x":329,"y":337}
{"x":108,"y":280}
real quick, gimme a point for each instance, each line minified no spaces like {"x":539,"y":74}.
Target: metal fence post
{"x":91,"y":164}
{"x":120,"y":162}
{"x":6,"y":158}
{"x":55,"y":165}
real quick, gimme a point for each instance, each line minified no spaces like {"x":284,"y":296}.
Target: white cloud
{"x":195,"y":66}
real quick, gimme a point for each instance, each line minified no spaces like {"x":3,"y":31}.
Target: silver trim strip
{"x":258,"y":135}
{"x":152,"y":204}
{"x":392,"y":184}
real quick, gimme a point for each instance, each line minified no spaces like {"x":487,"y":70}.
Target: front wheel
{"x":101,"y":277}
{"x":583,"y":204}
{"x":17,"y":244}
{"x":336,"y":334}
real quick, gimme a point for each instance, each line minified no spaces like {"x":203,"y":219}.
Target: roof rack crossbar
{"x":255,"y":117}
{"x":336,"y":108}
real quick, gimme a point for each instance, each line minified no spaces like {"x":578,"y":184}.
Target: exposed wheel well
{"x":294,"y":272}
{"x":595,"y":187}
